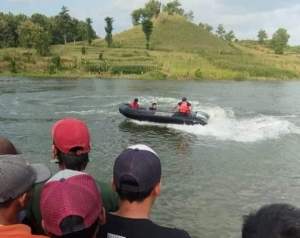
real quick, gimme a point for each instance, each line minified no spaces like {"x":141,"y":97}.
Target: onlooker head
{"x":136,"y":178}
{"x":274,"y":221}
{"x":71,"y":143}
{"x":71,"y":205}
{"x":6,"y":147}
{"x":184,"y":99}
{"x":137,"y":171}
{"x":17,"y":178}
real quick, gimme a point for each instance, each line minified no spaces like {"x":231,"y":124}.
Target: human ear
{"x":157,"y":189}
{"x":113,"y":185}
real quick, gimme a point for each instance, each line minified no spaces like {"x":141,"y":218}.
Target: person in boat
{"x":153,"y":106}
{"x":135,"y":104}
{"x":184,"y":107}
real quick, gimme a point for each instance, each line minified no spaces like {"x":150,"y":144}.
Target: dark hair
{"x":184,"y":99}
{"x":136,"y":99}
{"x":76,"y":221}
{"x":73,"y":160}
{"x":6,"y":147}
{"x":275,"y":221}
{"x":132,"y":196}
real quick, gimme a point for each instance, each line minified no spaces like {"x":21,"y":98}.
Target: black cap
{"x":137,"y":169}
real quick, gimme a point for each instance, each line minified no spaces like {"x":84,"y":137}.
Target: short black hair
{"x":71,"y":221}
{"x":274,"y":221}
{"x":73,"y":160}
{"x":132,"y":196}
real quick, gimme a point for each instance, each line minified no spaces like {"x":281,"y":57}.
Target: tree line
{"x":39,"y":31}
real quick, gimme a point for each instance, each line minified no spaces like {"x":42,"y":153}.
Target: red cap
{"x":69,"y":133}
{"x":70,"y":193}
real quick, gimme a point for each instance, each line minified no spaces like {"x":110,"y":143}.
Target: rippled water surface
{"x":248,"y":155}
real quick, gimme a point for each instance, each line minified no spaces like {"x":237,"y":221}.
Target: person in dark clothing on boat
{"x":135,"y":104}
{"x":136,"y":178}
{"x":153,"y":106}
{"x":184,"y":107}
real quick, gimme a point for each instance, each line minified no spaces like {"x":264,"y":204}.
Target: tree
{"x":108,"y":30}
{"x":27,"y":32}
{"x":64,"y":25}
{"x":262,"y":36}
{"x":89,"y":30}
{"x":206,"y":27}
{"x":42,"y":42}
{"x":279,"y":40}
{"x":221,"y":31}
{"x":173,"y":7}
{"x":229,"y":36}
{"x":136,"y":16}
{"x":147,"y":26}
{"x":189,"y":15}
{"x":152,"y":9}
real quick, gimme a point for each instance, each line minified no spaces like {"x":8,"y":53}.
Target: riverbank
{"x":244,"y":62}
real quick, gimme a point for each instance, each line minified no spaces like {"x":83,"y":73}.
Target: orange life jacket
{"x":184,"y":107}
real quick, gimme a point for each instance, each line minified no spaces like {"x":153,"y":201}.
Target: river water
{"x":248,"y":154}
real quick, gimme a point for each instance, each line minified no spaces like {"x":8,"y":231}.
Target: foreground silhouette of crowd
{"x":72,"y":204}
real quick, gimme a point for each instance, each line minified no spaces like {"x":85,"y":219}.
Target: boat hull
{"x":157,"y":116}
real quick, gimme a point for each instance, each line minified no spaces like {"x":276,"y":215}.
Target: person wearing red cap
{"x":70,"y":150}
{"x":71,"y":205}
{"x":136,"y":178}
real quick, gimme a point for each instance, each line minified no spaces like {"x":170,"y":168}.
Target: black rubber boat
{"x":144,"y":114}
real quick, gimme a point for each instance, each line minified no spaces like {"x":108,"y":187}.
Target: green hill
{"x":179,"y":50}
{"x":172,"y":33}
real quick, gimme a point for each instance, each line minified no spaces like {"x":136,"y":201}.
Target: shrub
{"x":56,"y":61}
{"x":83,"y":50}
{"x":97,"y":68}
{"x":198,"y":74}
{"x":132,"y":69}
{"x":154,"y":75}
{"x":13,"y":65}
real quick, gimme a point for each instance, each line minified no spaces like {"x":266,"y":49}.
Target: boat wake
{"x":225,"y":125}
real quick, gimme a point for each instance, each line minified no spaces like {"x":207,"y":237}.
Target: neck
{"x":7,"y":216}
{"x":135,"y":210}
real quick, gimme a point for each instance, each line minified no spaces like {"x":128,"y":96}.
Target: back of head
{"x":137,"y":170}
{"x":6,"y":147}
{"x":184,"y":99}
{"x":71,"y":139}
{"x":71,"y":205}
{"x":274,"y":221}
{"x":136,"y":100}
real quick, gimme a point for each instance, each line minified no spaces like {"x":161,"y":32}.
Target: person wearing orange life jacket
{"x":135,"y":104}
{"x":184,"y":107}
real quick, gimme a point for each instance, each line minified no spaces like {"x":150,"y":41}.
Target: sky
{"x":244,"y":17}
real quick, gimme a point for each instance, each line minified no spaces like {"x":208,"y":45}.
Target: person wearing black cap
{"x":136,"y":178}
{"x":184,"y":107}
{"x":17,"y":178}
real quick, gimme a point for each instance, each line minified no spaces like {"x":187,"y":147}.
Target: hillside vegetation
{"x":179,"y":50}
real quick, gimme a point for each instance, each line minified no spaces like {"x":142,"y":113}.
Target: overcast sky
{"x":244,"y":17}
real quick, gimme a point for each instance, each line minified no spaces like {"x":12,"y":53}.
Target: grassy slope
{"x":180,"y":49}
